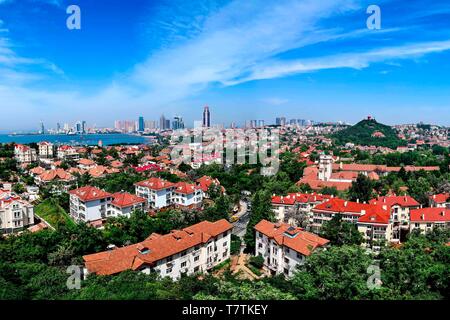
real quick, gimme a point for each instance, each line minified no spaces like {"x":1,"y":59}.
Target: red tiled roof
{"x":375,"y":217}
{"x":185,"y":188}
{"x":90,"y":193}
{"x":157,"y":247}
{"x":125,"y":199}
{"x":294,"y":238}
{"x":430,"y":215}
{"x":402,"y":201}
{"x":440,"y":198}
{"x":338,"y":205}
{"x":86,"y":162}
{"x":291,"y":198}
{"x":57,"y":174}
{"x":155,"y":183}
{"x":319,"y":184}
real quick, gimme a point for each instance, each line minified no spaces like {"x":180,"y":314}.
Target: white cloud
{"x":238,"y":43}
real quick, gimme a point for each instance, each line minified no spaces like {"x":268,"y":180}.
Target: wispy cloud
{"x":221,"y":46}
{"x":354,"y":60}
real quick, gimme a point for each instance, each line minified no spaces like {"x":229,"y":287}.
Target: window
{"x":169,"y":259}
{"x":196,"y":269}
{"x":274,"y":250}
{"x":183,"y":264}
{"x":286,"y":260}
{"x":260,"y":245}
{"x":286,"y":271}
{"x":196,"y":258}
{"x":225,"y":244}
{"x":225,"y":253}
{"x":299,"y":256}
{"x":169,"y":270}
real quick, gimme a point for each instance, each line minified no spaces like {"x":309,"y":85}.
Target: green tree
{"x":361,"y":189}
{"x":261,"y":209}
{"x":340,"y":232}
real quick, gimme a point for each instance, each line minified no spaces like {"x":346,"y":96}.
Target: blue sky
{"x":248,"y":59}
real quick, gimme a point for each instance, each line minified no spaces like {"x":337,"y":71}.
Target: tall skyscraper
{"x":177,"y":123}
{"x":78,"y":127}
{"x":58,"y":127}
{"x":281,"y":121}
{"x":83,"y":126}
{"x":206,"y":117}
{"x":42,"y":128}
{"x":162,"y":122}
{"x":141,"y":124}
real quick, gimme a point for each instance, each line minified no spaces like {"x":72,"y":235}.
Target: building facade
{"x":284,"y":247}
{"x":90,"y":204}
{"x":195,"y":249}
{"x":15,"y":213}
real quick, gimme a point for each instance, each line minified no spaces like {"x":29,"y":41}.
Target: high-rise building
{"x":167,"y":126}
{"x":42,"y":128}
{"x":162,"y":123}
{"x":151,"y":124}
{"x":260,"y":123}
{"x":281,"y":121}
{"x":233,"y":125}
{"x":83,"y":127}
{"x":78,"y":127}
{"x":177,"y":123}
{"x":293,"y":122}
{"x":206,"y":117}
{"x":141,"y":124}
{"x":58,"y":127}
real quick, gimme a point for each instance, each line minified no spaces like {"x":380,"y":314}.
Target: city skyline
{"x":313,"y":60}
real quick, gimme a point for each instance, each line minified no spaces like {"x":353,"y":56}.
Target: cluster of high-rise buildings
{"x":80,"y":127}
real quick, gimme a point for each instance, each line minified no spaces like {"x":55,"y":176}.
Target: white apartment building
{"x":187,"y":195}
{"x":195,"y":249}
{"x":124,"y":203}
{"x":284,"y":247}
{"x":45,"y":149}
{"x":157,"y":192}
{"x":376,"y":229}
{"x":15,"y":213}
{"x":67,"y":153}
{"x":427,"y":219}
{"x":296,"y":207}
{"x":24,"y":154}
{"x":90,"y":204}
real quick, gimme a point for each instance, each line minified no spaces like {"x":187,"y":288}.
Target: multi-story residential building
{"x":68,"y":153}
{"x":349,"y":210}
{"x":90,"y":204}
{"x":427,"y":219}
{"x":376,"y":229}
{"x":399,"y":208}
{"x":156,"y":191}
{"x":195,"y":249}
{"x":284,"y":247}
{"x":24,"y":154}
{"x":45,"y":149}
{"x":15,"y":213}
{"x":86,"y":164}
{"x":124,"y":203}
{"x":295,"y":208}
{"x":441,"y":200}
{"x":187,"y":195}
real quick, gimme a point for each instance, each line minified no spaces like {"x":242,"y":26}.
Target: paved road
{"x":240,"y":226}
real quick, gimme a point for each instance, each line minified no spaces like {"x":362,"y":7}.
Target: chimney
{"x":443,"y":213}
{"x":385,"y":207}
{"x":357,"y":200}
{"x":384,"y":199}
{"x":422,"y":216}
{"x":345,"y":203}
{"x":363,"y":212}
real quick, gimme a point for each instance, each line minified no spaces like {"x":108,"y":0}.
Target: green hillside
{"x":363,"y":132}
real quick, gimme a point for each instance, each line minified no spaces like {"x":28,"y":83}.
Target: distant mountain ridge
{"x":369,"y":132}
